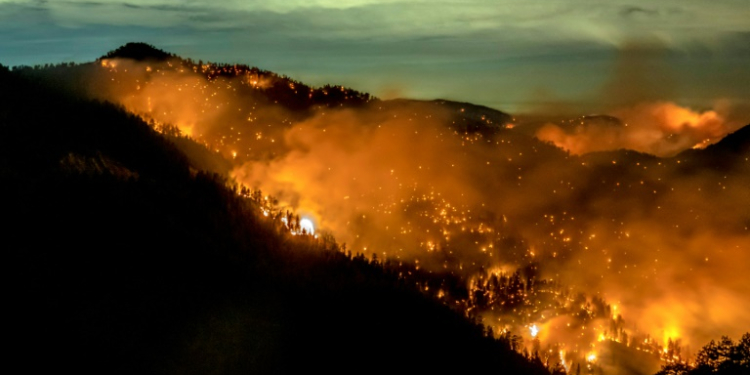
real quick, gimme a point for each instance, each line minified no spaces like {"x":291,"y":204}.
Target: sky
{"x":511,"y":55}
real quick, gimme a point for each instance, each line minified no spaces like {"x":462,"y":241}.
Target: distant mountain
{"x":464,"y":117}
{"x":477,"y":113}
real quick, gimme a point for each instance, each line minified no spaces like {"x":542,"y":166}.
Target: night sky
{"x":513,"y":56}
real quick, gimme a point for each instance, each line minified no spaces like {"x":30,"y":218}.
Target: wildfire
{"x":490,"y":213}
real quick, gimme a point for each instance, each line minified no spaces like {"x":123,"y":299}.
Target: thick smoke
{"x":657,"y":128}
{"x":640,"y":94}
{"x":663,"y":239}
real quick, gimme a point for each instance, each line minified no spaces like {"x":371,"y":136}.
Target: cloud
{"x":630,"y":11}
{"x":576,"y":19}
{"x":511,"y":26}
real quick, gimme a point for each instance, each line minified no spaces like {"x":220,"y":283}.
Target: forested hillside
{"x":123,"y":257}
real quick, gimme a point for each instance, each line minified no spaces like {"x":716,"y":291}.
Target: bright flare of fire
{"x":307,"y":226}
{"x":534,"y":330}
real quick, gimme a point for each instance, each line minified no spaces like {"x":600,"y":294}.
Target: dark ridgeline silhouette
{"x":122,"y":256}
{"x":281,"y":90}
{"x":139,"y":52}
{"x":721,"y":156}
{"x":722,"y":358}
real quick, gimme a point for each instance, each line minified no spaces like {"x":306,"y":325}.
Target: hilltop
{"x":138,"y":52}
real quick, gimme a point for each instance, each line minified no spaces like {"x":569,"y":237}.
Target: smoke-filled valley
{"x":614,"y":242}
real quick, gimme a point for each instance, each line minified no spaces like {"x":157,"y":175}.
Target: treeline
{"x":124,"y":257}
{"x":717,"y":358}
{"x":279,"y":89}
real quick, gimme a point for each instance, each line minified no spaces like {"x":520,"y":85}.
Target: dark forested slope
{"x":122,"y":257}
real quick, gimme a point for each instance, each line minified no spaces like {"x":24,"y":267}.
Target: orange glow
{"x":661,"y":128}
{"x":407,"y":183}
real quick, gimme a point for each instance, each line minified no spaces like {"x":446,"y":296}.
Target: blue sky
{"x":512,"y":55}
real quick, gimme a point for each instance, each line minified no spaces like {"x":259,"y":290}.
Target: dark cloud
{"x":630,"y":11}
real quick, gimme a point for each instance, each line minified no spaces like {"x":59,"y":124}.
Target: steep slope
{"x":724,"y":155}
{"x":124,"y":258}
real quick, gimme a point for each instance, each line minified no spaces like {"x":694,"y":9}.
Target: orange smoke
{"x":404,"y":182}
{"x":660,"y":128}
